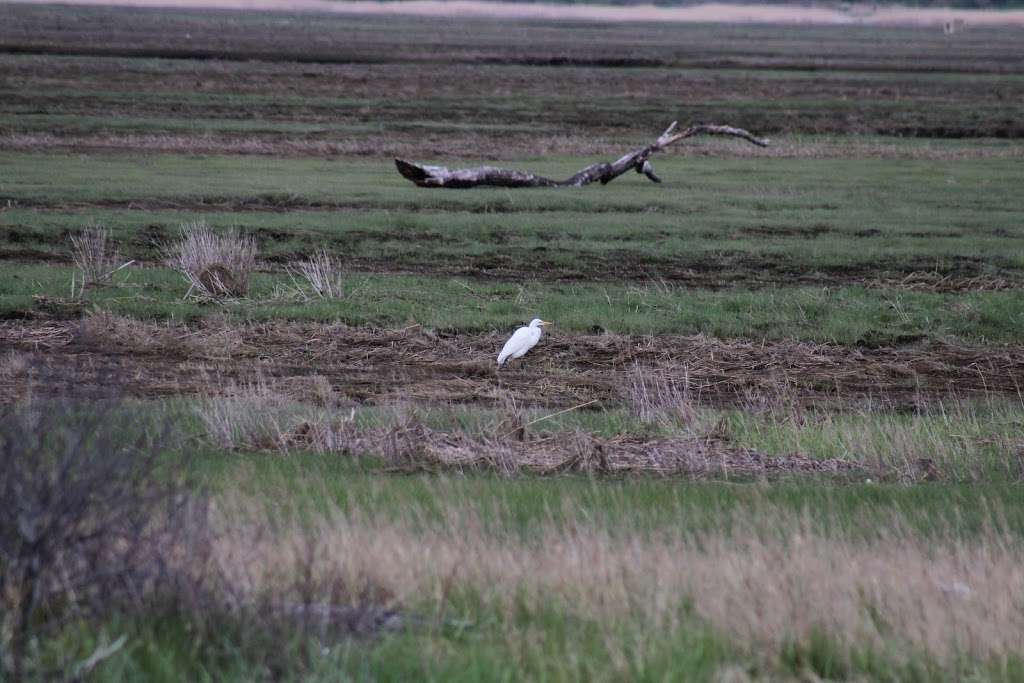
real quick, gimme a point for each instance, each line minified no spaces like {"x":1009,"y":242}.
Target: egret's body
{"x":524,"y":339}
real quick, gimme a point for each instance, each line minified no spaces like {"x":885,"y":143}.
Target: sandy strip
{"x":711,"y":12}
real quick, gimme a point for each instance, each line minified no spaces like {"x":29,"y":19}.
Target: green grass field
{"x":774,"y":433}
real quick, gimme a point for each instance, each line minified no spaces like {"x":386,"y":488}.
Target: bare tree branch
{"x":604,"y":172}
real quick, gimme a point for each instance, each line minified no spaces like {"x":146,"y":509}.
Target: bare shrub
{"x":92,"y":516}
{"x":98,"y":520}
{"x":95,"y":258}
{"x":321,"y":273}
{"x":216,"y":266}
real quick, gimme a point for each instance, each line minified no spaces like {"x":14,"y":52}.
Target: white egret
{"x":524,"y":339}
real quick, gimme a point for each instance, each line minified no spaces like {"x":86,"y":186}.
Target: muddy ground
{"x":106,"y":355}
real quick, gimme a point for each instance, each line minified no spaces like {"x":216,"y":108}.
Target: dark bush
{"x":94,"y":516}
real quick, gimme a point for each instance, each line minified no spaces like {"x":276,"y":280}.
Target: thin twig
{"x":85,"y":666}
{"x":123,"y":265}
{"x":548,"y":417}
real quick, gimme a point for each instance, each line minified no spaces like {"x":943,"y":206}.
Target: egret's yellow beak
{"x":544,"y":322}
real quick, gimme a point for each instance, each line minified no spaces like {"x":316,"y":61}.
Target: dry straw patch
{"x":217,"y":266}
{"x":415,"y":363}
{"x":110,"y":331}
{"x":770,"y":581}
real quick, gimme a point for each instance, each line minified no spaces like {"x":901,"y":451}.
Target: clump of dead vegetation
{"x":254,"y":418}
{"x":97,"y":260}
{"x":217,"y":266}
{"x":658,"y":399}
{"x":319,"y":276}
{"x":257,"y":418}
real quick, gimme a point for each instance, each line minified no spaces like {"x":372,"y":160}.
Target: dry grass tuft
{"x":14,"y":364}
{"x":322,"y":276}
{"x":96,"y":259}
{"x":257,"y":417}
{"x":216,"y":266}
{"x":658,"y":400}
{"x":251,"y":420}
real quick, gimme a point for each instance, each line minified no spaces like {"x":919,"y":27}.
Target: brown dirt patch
{"x":109,"y":354}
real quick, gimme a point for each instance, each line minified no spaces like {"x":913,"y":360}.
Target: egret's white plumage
{"x":524,"y":339}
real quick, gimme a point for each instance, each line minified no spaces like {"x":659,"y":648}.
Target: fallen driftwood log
{"x":638,"y":160}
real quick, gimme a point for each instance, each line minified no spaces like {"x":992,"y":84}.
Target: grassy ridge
{"x":852,"y":190}
{"x":770,"y":224}
{"x":850,"y":315}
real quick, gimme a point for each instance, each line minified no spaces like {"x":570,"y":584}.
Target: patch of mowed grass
{"x":714,"y":238}
{"x":897,"y":190}
{"x":715,"y":221}
{"x":842,"y":315}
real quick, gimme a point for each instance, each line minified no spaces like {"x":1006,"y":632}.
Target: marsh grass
{"x":315,"y":564}
{"x":955,"y":440}
{"x":887,"y":246}
{"x":765,"y":586}
{"x":966,"y":440}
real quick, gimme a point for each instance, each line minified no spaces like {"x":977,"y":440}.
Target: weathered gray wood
{"x":604,"y":172}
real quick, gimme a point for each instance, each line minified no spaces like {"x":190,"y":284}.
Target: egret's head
{"x":537,"y":322}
